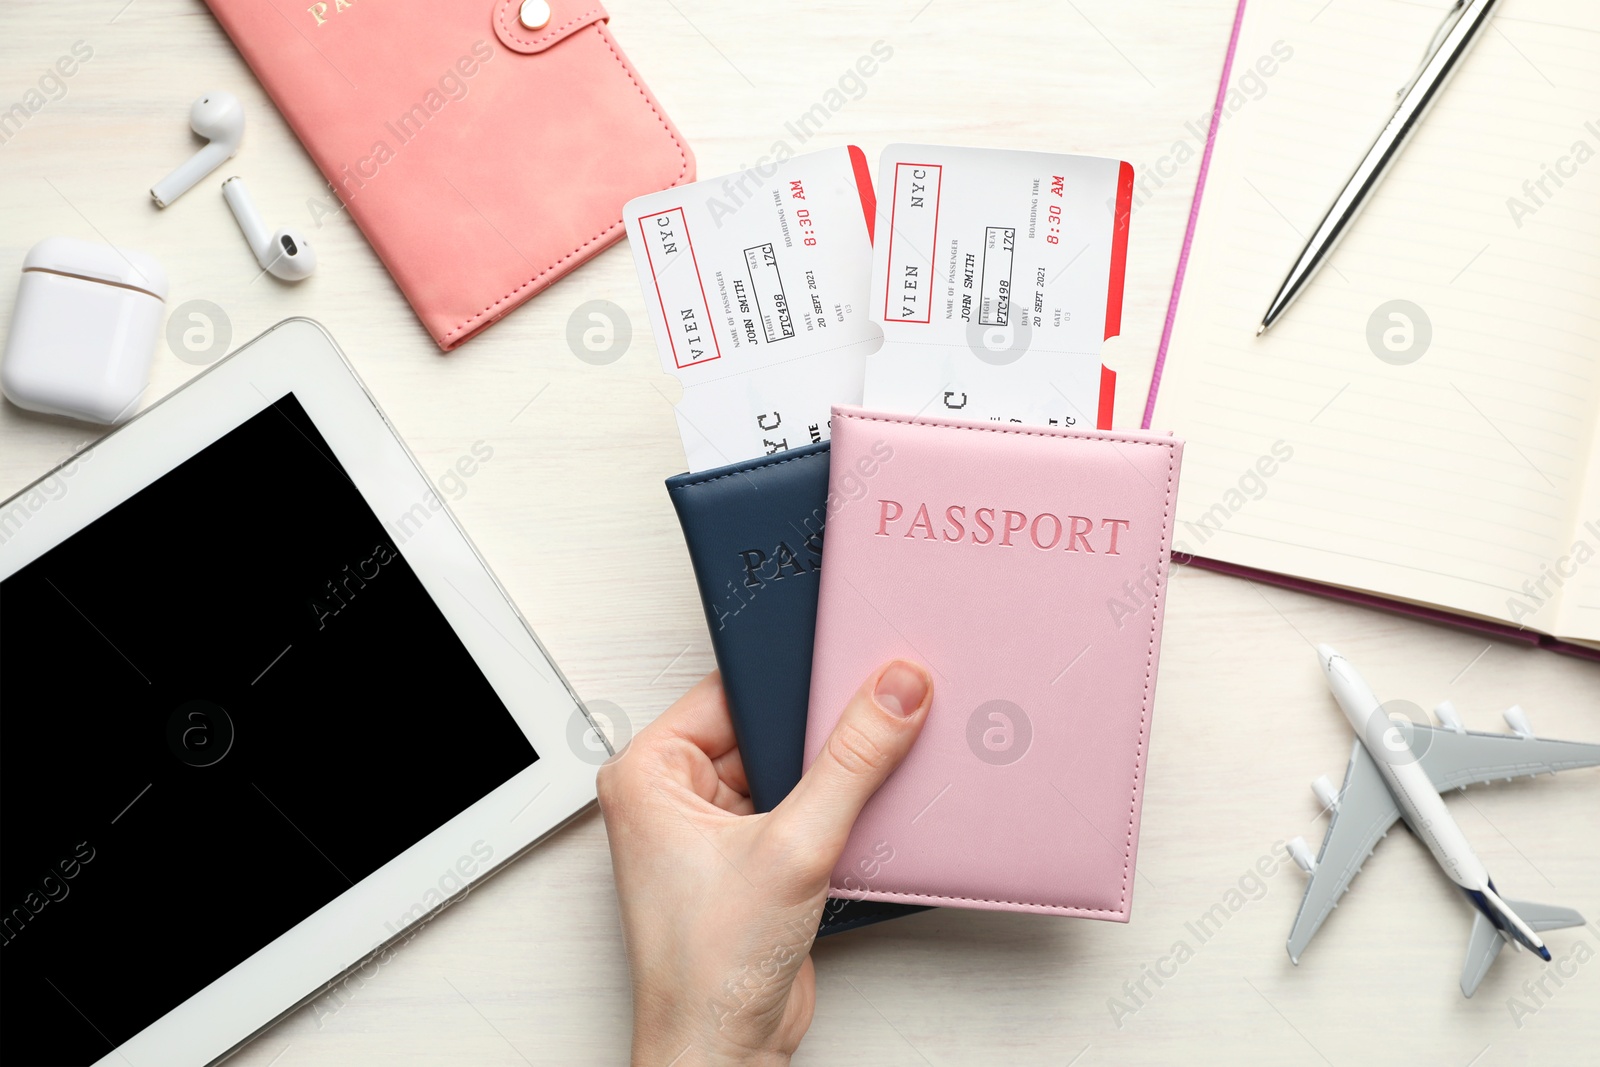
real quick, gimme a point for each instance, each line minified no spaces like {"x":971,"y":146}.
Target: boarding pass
{"x":996,"y":276}
{"x":756,"y":288}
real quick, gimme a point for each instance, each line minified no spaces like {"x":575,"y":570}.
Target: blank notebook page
{"x":1454,"y":478}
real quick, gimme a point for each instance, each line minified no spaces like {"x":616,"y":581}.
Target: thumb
{"x":868,"y":742}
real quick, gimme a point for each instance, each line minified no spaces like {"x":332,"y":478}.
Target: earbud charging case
{"x":85,"y":328}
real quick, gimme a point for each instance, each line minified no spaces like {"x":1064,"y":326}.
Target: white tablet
{"x":262,"y":707}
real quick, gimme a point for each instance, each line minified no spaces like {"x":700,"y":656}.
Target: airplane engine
{"x":1446,"y":714}
{"x":1327,"y":795}
{"x":1517,"y":719}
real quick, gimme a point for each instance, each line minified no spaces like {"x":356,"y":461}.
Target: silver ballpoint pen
{"x":1450,"y":43}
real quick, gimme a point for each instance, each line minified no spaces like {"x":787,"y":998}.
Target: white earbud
{"x":219,"y":118}
{"x":285,"y":254}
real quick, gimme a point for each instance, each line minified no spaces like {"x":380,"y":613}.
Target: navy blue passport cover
{"x":754,"y":531}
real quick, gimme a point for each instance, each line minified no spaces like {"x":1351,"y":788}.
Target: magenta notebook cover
{"x":1027,"y":568}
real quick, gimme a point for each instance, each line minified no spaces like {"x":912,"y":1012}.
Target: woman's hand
{"x":720,"y":904}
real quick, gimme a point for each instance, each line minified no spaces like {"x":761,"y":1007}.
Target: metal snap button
{"x":535,"y":14}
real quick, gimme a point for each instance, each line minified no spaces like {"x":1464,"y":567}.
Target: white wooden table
{"x":571,"y":513}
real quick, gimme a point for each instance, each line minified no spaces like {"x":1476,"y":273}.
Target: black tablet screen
{"x":222,"y":704}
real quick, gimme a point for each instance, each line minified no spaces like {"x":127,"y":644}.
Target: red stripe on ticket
{"x":679,"y":288}
{"x":913,"y":232}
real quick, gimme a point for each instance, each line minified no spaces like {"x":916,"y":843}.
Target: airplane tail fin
{"x":1485,"y":941}
{"x":1483,"y":945}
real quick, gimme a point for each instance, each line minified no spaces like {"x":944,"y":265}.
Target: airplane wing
{"x":1454,"y":761}
{"x":1364,"y":814}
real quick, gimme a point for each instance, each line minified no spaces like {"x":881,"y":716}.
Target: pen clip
{"x":1451,"y":17}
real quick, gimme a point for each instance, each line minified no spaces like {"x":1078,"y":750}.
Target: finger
{"x":700,"y":717}
{"x":731,"y":802}
{"x":708,"y":779}
{"x":692,"y":743}
{"x":869,"y":741}
{"x":730,"y":769}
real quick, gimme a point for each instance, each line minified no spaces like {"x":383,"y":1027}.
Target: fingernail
{"x":901,"y":688}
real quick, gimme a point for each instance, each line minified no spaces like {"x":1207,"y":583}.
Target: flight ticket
{"x":756,"y":288}
{"x":996,"y":276}
{"x":993,"y":280}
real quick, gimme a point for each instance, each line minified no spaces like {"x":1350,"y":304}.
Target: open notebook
{"x":1461,"y":471}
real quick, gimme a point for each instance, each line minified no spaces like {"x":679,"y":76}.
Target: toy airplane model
{"x":1394,"y":777}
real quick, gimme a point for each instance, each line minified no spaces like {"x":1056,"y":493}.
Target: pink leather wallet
{"x":1027,"y":569}
{"x":482,"y":159}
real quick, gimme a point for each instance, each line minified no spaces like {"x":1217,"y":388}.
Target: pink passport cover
{"x":1027,"y":568}
{"x":481,"y":159}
